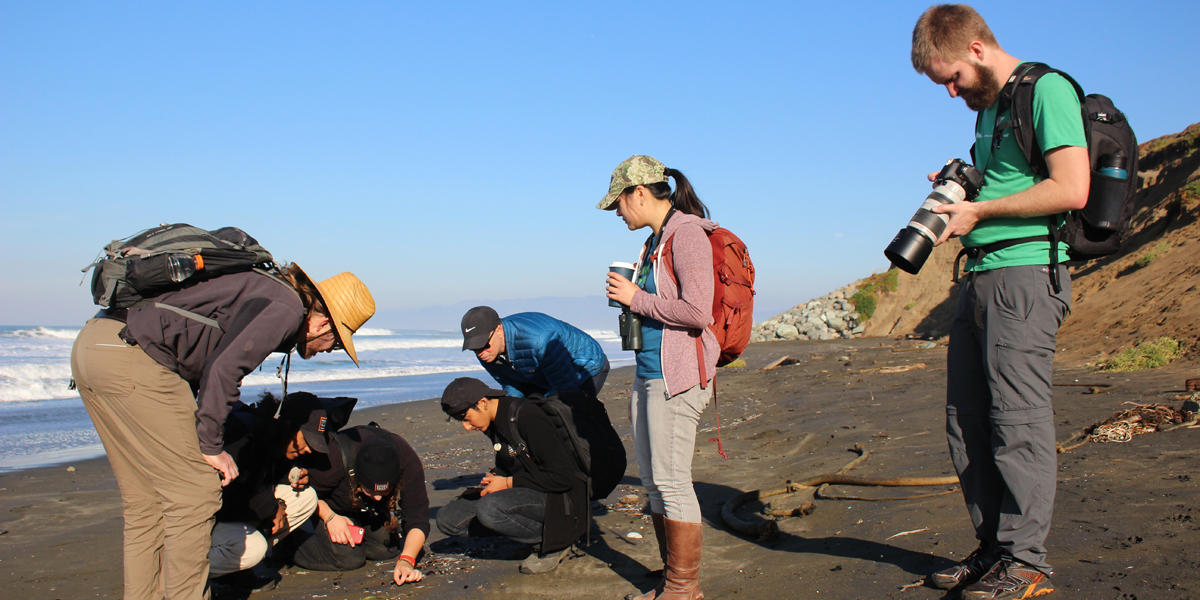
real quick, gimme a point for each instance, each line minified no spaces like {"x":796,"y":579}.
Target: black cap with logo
{"x":477,"y":327}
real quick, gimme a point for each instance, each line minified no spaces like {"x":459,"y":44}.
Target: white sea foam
{"x":43,"y":333}
{"x":373,"y":331}
{"x":265,"y":378}
{"x":35,"y":381}
{"x":406,"y":343}
{"x":604,"y":335}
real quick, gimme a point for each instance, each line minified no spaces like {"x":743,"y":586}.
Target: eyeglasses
{"x":488,"y":343}
{"x":462,"y":416}
{"x":337,"y":342}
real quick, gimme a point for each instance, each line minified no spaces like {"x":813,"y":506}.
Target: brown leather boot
{"x":660,"y":533}
{"x":681,"y":580}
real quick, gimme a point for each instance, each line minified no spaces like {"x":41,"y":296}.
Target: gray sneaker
{"x":966,"y":572}
{"x":544,"y":563}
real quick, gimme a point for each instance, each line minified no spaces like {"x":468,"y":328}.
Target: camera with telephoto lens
{"x":956,"y":182}
{"x":630,"y":326}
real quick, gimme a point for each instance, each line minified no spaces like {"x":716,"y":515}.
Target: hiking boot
{"x":681,"y":578}
{"x":543,"y":563}
{"x":966,"y":572}
{"x":241,"y":584}
{"x":1009,"y":579}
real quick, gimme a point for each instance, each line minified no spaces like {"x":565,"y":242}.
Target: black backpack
{"x":1098,"y":229}
{"x":596,"y":447}
{"x":169,"y":257}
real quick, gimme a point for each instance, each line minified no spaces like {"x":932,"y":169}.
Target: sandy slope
{"x":1116,"y":301}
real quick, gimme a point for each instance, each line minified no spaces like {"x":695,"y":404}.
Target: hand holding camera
{"x":956,"y":182}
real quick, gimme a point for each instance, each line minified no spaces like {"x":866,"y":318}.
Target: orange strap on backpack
{"x":703,"y":382}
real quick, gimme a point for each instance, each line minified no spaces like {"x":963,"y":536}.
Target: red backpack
{"x":733,"y":294}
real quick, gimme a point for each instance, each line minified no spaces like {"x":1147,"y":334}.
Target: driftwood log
{"x":766,"y":529}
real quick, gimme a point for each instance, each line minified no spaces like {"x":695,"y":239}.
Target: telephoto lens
{"x":956,"y":182}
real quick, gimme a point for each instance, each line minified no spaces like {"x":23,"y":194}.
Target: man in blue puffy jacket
{"x":534,"y":353}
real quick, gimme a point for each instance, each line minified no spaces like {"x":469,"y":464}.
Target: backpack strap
{"x":199,"y":318}
{"x":510,"y":430}
{"x":717,"y":415}
{"x":183,"y":312}
{"x":348,"y":455}
{"x":1016,"y":97}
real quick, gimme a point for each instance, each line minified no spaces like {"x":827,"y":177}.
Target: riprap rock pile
{"x":829,"y":317}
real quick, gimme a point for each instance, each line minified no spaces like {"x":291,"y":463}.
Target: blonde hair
{"x":944,"y":32}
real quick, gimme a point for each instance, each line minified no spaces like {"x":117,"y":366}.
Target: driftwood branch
{"x":765,"y":529}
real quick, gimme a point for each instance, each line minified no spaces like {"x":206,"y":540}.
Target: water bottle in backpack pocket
{"x":1106,"y":199}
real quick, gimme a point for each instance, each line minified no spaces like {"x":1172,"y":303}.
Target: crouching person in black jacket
{"x":368,"y":476}
{"x":270,"y":499}
{"x":536,"y":494}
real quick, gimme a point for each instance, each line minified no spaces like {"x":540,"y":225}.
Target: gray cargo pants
{"x":999,"y":421}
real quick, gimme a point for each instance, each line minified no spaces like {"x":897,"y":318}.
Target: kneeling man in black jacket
{"x":536,"y":494}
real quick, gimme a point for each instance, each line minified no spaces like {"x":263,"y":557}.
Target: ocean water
{"x":42,"y":422}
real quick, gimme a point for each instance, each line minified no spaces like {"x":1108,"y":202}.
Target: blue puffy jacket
{"x":545,"y":356}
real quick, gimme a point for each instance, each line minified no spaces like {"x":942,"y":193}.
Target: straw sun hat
{"x":350,"y":305}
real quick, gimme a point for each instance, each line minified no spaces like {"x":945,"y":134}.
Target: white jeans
{"x":664,"y":433}
{"x":237,"y":546}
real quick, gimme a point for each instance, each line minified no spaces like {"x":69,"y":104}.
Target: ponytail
{"x":683,"y":198}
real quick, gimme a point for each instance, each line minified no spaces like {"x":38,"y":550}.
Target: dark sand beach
{"x":1126,"y":524}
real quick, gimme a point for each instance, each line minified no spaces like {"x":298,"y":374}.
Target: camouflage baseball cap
{"x":635,"y":170}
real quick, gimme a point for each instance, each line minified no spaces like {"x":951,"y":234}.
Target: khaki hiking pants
{"x":145,"y":415}
{"x":237,"y":546}
{"x":664,"y":433}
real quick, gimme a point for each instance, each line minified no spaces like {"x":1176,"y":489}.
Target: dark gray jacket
{"x":257,"y":315}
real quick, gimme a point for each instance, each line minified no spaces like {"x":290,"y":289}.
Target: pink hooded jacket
{"x":683,"y":303}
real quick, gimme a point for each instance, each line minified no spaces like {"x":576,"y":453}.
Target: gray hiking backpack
{"x":170,"y":257}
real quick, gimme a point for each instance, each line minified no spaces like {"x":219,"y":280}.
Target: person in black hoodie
{"x":271,"y":497}
{"x":536,"y":494}
{"x":368,"y":476}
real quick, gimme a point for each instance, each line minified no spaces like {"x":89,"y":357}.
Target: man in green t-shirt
{"x":999,"y":420}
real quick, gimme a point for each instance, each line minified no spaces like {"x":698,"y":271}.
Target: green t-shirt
{"x":1057,"y":122}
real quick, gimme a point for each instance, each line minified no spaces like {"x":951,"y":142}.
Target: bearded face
{"x":983,"y":91}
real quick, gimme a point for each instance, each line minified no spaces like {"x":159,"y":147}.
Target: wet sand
{"x":1126,"y":524}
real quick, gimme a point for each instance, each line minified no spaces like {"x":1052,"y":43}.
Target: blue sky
{"x":451,"y":152}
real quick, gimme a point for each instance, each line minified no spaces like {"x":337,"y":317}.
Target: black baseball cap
{"x":319,"y":418}
{"x":477,"y":326}
{"x":377,"y":466}
{"x":464,"y":393}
